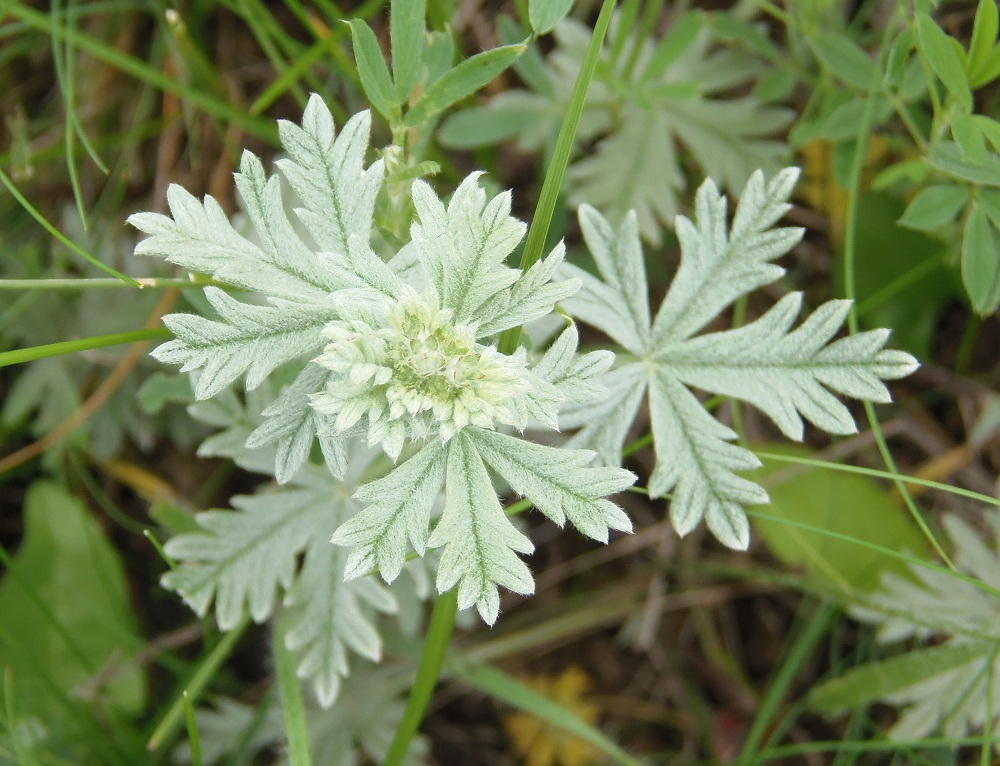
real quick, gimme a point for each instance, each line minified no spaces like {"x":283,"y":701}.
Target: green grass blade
{"x":502,"y":687}
{"x":284,"y":82}
{"x":60,"y":53}
{"x":876,"y":473}
{"x":850,"y":289}
{"x":296,"y":726}
{"x":135,"y":67}
{"x":192,"y":729}
{"x":171,"y":721}
{"x":15,"y":192}
{"x":552,"y":184}
{"x":815,"y":630}
{"x":19,"y":356}
{"x":975,"y":582}
{"x":85,"y":283}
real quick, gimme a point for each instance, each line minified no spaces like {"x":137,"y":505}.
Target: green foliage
{"x":66,"y":614}
{"x":408,"y":361}
{"x":443,"y":82}
{"x":786,"y":373}
{"x":960,"y":153}
{"x":354,"y":334}
{"x":841,"y":504}
{"x":945,"y":688}
{"x":647,"y":97}
{"x":545,"y":14}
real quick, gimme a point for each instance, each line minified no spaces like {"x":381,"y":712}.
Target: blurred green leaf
{"x":481,"y":126}
{"x":902,"y":280}
{"x":728,"y":26}
{"x":989,"y":201}
{"x":161,"y":389}
{"x":841,"y":503}
{"x":406,"y":31}
{"x":545,"y":14}
{"x":67,"y":626}
{"x":530,"y":66}
{"x":876,"y":680}
{"x":981,"y":262}
{"x":439,"y":55}
{"x":981,"y":47}
{"x":844,"y":58}
{"x":969,"y":136}
{"x":775,"y":86}
{"x":375,"y":77}
{"x":935,"y":207}
{"x":948,"y":157}
{"x":899,"y":53}
{"x":677,"y":40}
{"x":945,"y":59}
{"x":465,"y":79}
{"x":174,"y":518}
{"x":990,"y":129}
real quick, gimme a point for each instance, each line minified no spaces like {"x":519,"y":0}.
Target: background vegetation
{"x":862,"y":625}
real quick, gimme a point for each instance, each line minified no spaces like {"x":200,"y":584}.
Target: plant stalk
{"x":431,"y":660}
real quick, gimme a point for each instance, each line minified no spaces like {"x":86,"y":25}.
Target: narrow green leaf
{"x":899,"y":54}
{"x":141,"y":70}
{"x":192,"y":729}
{"x":545,"y":14}
{"x":502,"y":687}
{"x":44,"y":223}
{"x":549,"y":195}
{"x":984,"y":35}
{"x":990,"y":70}
{"x":206,"y":671}
{"x":844,"y":58}
{"x":944,"y":58}
{"x":439,"y":56}
{"x":934,"y":207}
{"x":296,"y":727}
{"x":463,"y":80}
{"x":876,"y":680}
{"x":21,"y":355}
{"x":375,"y":77}
{"x":406,"y":31}
{"x":980,"y":262}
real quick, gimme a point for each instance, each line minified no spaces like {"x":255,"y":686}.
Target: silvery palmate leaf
{"x":789,"y":374}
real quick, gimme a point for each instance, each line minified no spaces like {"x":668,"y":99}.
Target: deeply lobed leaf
{"x":787,"y":373}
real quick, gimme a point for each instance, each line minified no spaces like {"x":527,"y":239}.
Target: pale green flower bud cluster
{"x":413,"y":372}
